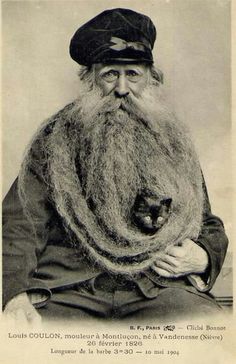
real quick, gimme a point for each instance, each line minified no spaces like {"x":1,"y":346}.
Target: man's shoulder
{"x":64,"y":115}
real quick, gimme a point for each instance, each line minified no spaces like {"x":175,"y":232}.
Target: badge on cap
{"x":121,"y":44}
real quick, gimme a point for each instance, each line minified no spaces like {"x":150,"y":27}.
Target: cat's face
{"x":149,"y":213}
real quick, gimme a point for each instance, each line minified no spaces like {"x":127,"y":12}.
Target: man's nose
{"x":122,"y":87}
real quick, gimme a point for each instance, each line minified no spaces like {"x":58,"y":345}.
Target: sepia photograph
{"x":117,"y":178}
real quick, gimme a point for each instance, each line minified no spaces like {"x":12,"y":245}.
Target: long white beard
{"x":102,"y":152}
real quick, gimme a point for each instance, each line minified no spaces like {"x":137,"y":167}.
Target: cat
{"x":150,"y":212}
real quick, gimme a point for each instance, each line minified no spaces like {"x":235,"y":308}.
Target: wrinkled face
{"x":121,"y":79}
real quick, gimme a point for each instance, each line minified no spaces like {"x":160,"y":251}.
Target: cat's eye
{"x":147,"y":218}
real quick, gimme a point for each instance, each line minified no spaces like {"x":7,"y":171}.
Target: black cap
{"x":116,"y":35}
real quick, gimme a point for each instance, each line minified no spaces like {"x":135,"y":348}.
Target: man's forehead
{"x":119,"y":66}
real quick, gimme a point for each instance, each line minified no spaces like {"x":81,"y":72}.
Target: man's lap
{"x":170,"y":303}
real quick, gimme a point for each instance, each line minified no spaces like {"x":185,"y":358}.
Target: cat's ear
{"x":166,"y":202}
{"x":140,"y":199}
{"x":138,"y":203}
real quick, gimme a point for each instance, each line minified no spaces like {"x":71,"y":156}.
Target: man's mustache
{"x":125,"y":103}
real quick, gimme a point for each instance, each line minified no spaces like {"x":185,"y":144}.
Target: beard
{"x":104,"y":151}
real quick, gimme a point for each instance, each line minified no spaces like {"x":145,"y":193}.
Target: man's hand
{"x":19,"y":310}
{"x":177,"y":261}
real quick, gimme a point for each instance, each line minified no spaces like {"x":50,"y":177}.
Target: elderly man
{"x":109,"y":216}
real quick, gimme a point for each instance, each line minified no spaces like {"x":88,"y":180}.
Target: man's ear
{"x":157,"y":74}
{"x":160,"y":75}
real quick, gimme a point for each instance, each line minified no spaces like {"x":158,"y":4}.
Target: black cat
{"x":149,"y":212}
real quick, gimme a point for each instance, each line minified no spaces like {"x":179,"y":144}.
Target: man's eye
{"x":110,"y":76}
{"x":133,"y":75}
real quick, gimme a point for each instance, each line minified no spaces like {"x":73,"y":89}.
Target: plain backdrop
{"x":192,"y":49}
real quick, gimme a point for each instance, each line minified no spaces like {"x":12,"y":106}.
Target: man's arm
{"x":200,"y":260}
{"x":21,"y":246}
{"x":213,"y":240}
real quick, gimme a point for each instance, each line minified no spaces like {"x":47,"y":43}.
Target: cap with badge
{"x":116,"y":35}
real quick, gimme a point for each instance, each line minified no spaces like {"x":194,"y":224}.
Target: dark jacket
{"x":52,"y":261}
